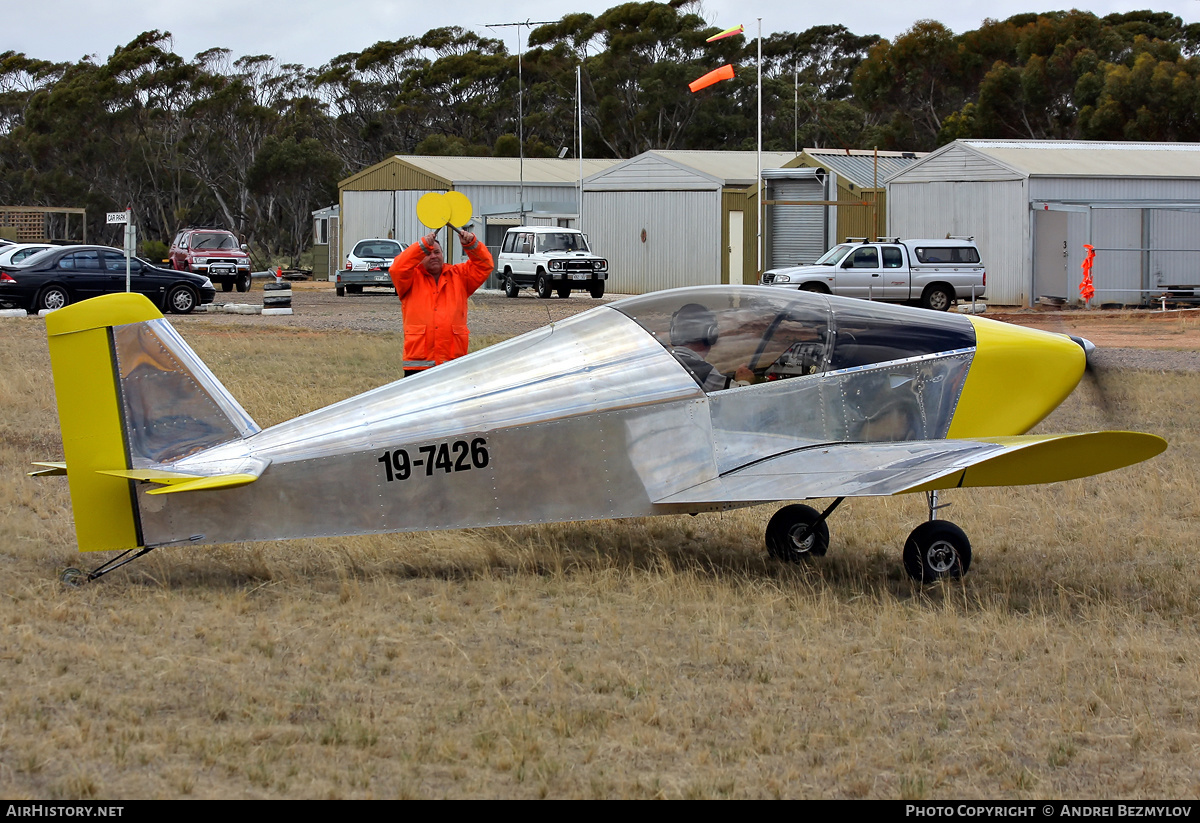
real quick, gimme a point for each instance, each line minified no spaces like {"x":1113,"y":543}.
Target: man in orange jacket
{"x":433,"y":298}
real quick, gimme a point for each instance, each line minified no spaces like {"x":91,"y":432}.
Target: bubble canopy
{"x":779,"y":333}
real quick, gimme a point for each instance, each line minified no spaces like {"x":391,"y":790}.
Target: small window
{"x":892,"y":258}
{"x":952,"y":254}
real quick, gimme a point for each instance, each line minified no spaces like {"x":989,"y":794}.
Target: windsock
{"x":714,"y":76}
{"x":727,"y":33}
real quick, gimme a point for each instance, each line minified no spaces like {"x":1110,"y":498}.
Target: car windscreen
{"x":205,"y":242}
{"x":561,"y":241}
{"x":833,"y":256}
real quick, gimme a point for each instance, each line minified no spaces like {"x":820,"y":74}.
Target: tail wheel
{"x":937,"y":550}
{"x":796,"y":533}
{"x":182,"y":299}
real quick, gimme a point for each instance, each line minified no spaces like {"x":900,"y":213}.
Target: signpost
{"x":118,"y":217}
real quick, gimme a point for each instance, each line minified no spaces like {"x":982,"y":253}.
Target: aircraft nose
{"x":1017,"y":377}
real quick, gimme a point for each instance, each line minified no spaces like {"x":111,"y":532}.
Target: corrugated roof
{"x":462,"y":170}
{"x":736,"y":168}
{"x":859,"y":164}
{"x":1081,"y":158}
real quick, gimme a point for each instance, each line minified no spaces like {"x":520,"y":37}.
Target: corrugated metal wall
{"x":796,"y":235}
{"x":957,"y":164}
{"x":363,"y":214}
{"x":1170,"y":232}
{"x":995,"y":213}
{"x":861,"y":221}
{"x":683,"y":238}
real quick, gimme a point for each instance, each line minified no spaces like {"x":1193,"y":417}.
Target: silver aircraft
{"x":690,"y":400}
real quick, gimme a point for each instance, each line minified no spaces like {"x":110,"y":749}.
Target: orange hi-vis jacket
{"x":435,"y":311}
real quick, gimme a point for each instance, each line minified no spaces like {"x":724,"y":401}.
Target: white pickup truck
{"x":933,"y":273}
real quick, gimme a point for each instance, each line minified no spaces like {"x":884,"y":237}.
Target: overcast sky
{"x":311,"y":32}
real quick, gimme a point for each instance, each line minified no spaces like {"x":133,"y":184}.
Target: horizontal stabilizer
{"x":48,"y":469}
{"x":224,"y":476}
{"x":872,"y":469}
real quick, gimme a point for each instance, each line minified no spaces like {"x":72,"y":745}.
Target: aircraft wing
{"x":871,"y":469}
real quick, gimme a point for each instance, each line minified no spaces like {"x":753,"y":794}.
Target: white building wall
{"x":995,"y":213}
{"x":683,"y":238}
{"x":363,"y":214}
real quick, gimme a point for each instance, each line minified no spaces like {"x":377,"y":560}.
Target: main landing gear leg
{"x":936,"y":549}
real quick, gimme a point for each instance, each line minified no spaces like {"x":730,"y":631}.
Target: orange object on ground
{"x":435,"y":310}
{"x":714,"y":76}
{"x":1086,"y":290}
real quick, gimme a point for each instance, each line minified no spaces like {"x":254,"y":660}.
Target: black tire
{"x":243,"y":282}
{"x":181,"y":300}
{"x":340,"y":291}
{"x":226,"y":285}
{"x":53,"y":297}
{"x":543,"y":285}
{"x":511,"y":289}
{"x":597,"y":289}
{"x":937,"y":550}
{"x":787,"y":525}
{"x":353,"y":289}
{"x":564,"y":291}
{"x":937,"y":297}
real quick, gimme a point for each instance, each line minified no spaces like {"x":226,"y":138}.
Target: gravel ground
{"x":317,"y":308}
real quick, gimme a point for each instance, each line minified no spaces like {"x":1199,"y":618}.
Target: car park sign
{"x":118,"y":217}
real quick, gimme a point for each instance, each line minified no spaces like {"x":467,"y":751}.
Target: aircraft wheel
{"x":937,"y":550}
{"x":543,"y":286}
{"x":73,"y":577}
{"x":787,"y":526}
{"x":511,"y":289}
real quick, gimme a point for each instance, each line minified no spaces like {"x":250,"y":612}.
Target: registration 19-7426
{"x":452,"y":456}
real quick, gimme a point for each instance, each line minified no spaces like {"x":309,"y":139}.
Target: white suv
{"x":549,"y":259}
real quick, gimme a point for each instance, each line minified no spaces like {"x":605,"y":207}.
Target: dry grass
{"x":643,"y":658}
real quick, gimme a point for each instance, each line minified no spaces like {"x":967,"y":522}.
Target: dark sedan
{"x":67,"y":274}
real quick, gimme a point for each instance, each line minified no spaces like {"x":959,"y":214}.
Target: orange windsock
{"x":714,"y":76}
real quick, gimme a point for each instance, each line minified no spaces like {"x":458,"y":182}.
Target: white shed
{"x":677,"y":218}
{"x":1032,"y":205}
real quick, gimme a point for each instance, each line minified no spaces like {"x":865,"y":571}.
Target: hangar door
{"x":795,"y":234}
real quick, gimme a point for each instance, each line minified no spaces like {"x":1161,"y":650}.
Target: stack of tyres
{"x":277,"y":297}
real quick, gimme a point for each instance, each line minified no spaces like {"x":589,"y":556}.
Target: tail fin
{"x":131,"y":394}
